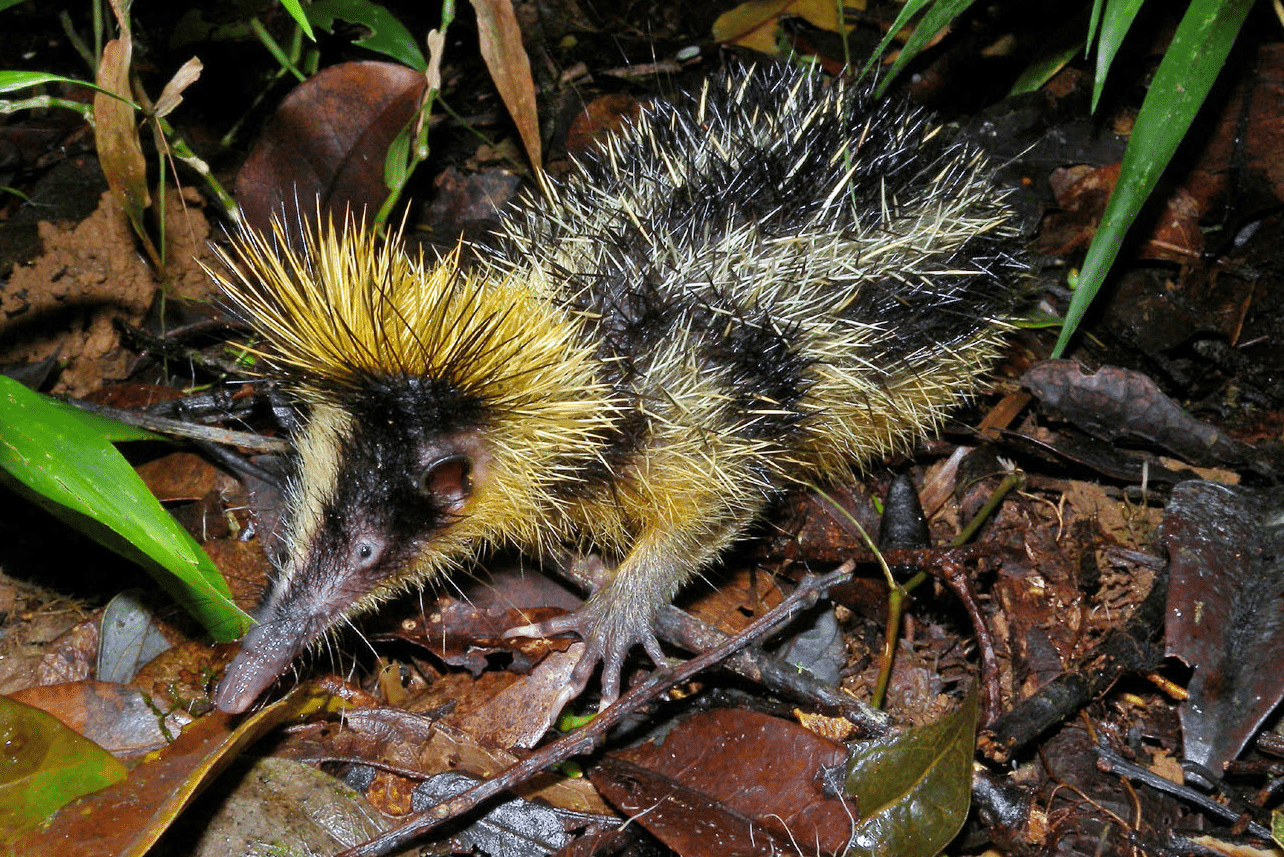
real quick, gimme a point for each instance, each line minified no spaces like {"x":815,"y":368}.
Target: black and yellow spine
{"x":758,"y":283}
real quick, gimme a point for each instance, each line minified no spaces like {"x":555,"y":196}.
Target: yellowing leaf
{"x":46,"y":765}
{"x":755,"y":24}
{"x":127,"y":818}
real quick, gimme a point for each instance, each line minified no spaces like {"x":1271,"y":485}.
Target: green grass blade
{"x":1198,"y":51}
{"x":1094,"y":21}
{"x":908,"y":11}
{"x":12,"y":81}
{"x":936,"y":19}
{"x":1115,"y":23}
{"x":300,"y":17}
{"x":63,"y":459}
{"x":1042,"y":69}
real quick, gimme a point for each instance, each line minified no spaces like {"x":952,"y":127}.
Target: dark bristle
{"x":646,"y":233}
{"x":415,"y":401}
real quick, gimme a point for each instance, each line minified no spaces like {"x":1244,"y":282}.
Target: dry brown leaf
{"x":501,"y":48}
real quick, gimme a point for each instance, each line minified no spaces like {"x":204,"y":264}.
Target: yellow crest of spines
{"x":347,"y":309}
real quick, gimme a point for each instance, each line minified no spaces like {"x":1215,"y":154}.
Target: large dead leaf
{"x":325,"y":147}
{"x":116,"y":717}
{"x":737,"y":778}
{"x":687,"y":820}
{"x":1225,"y":612}
{"x":1114,"y":403}
{"x":293,"y":806}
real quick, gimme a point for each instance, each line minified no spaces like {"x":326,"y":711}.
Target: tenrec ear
{"x":448,"y":482}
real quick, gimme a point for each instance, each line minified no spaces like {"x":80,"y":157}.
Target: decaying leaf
{"x":116,"y":134}
{"x":754,"y":24}
{"x":325,"y":146}
{"x":172,"y":95}
{"x":1225,"y":612}
{"x":1112,"y":403}
{"x":292,"y":805}
{"x":126,"y":819}
{"x":732,"y":776}
{"x":501,"y":47}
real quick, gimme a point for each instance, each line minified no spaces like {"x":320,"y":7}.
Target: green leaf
{"x":1042,"y":68}
{"x":936,"y":19}
{"x":908,"y":11}
{"x":388,"y":36}
{"x":63,"y":459}
{"x":1094,"y":21}
{"x":46,"y":766}
{"x":1115,"y":23}
{"x":12,"y":81}
{"x":112,"y":430}
{"x":297,"y":13}
{"x":396,"y":164}
{"x":914,"y":788}
{"x":1194,"y":58}
{"x":5,"y":4}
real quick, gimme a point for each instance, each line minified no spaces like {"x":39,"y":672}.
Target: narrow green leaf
{"x":1094,"y":21}
{"x":908,"y":11}
{"x":62,"y":458}
{"x":914,"y":788}
{"x":1115,"y":23}
{"x":1198,"y":51}
{"x":12,"y":81}
{"x":936,"y":19}
{"x":274,"y":48}
{"x":396,"y":164}
{"x":1042,"y":68}
{"x":388,"y":36}
{"x":301,"y":17}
